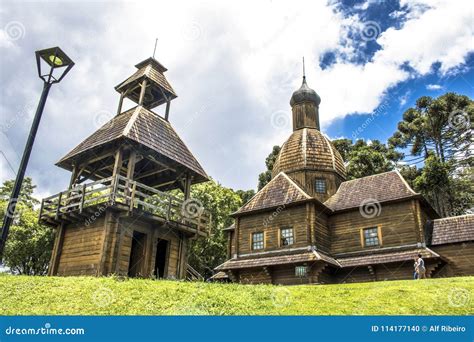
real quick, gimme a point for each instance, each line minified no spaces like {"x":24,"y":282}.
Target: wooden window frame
{"x":325,"y":186}
{"x":280,"y":244}
{"x":305,"y":272}
{"x":379,"y":236}
{"x":263,"y":241}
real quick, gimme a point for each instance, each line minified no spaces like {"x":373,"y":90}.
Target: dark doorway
{"x":137,"y":254}
{"x":161,"y":254}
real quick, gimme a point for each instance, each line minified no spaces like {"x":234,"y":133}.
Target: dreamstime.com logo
{"x":46,"y":330}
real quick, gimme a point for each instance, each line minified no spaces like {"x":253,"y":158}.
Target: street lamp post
{"x":58,"y":65}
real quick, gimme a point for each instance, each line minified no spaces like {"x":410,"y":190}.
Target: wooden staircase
{"x":192,"y":274}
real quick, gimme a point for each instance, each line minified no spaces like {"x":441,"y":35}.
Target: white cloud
{"x":232,"y":65}
{"x":433,"y":87}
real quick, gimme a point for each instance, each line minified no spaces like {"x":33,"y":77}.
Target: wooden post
{"x":73,"y":176}
{"x":59,"y":204}
{"x":116,"y":172}
{"x":187,"y":186}
{"x":167,"y":112}
{"x":236,"y":238}
{"x":58,"y":245}
{"x":81,"y":206}
{"x":142,"y":92}
{"x":119,"y":109}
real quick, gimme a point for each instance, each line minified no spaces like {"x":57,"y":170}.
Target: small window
{"x":320,"y":186}
{"x":257,"y":240}
{"x":371,"y":237}
{"x":301,"y":271}
{"x":286,"y":236}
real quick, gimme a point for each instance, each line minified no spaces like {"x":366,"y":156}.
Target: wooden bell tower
{"x":117,"y":215}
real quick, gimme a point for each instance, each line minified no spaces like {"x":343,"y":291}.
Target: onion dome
{"x":308,"y":149}
{"x":305,"y":94}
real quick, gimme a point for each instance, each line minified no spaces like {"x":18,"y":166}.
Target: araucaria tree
{"x":438,"y":132}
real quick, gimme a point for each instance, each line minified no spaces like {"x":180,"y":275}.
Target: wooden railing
{"x":192,"y":274}
{"x":130,"y":194}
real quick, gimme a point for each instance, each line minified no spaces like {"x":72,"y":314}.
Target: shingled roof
{"x":153,"y":70}
{"x":276,"y":260}
{"x":453,"y":229}
{"x":144,"y":127}
{"x":383,"y":258}
{"x":382,"y":187}
{"x":281,"y":190}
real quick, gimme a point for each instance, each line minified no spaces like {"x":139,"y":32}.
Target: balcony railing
{"x":129,"y":195}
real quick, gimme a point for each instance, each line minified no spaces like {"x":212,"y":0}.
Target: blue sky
{"x":234,"y":67}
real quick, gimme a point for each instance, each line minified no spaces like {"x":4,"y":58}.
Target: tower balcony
{"x":88,"y":201}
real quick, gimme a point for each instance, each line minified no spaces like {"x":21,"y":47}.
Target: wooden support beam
{"x":142,"y":92}
{"x":150,"y":173}
{"x":167,"y":112}
{"x":187,"y":186}
{"x":131,"y":164}
{"x":119,"y":109}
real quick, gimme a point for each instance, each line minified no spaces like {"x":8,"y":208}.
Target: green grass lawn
{"x":23,"y":295}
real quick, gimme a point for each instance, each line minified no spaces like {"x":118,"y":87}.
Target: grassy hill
{"x":23,"y":295}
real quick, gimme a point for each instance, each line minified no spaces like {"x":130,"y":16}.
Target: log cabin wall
{"x":397,"y":223}
{"x":81,"y":248}
{"x":459,"y":257}
{"x":254,"y":276}
{"x":270,"y":223}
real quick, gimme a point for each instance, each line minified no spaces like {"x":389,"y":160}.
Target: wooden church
{"x":310,"y":225}
{"x":117,"y":215}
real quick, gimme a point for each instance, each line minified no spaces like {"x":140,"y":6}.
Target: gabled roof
{"x":382,"y":187}
{"x":453,"y":229}
{"x":143,"y":127}
{"x":280,"y":191}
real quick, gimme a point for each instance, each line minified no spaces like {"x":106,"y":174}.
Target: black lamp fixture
{"x":58,"y":65}
{"x":57,"y":61}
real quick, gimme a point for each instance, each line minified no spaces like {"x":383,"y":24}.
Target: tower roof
{"x":305,"y":94}
{"x":158,"y":90}
{"x":308,"y":149}
{"x":140,"y":126}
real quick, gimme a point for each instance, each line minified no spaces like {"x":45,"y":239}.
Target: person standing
{"x":421,"y":267}
{"x":415,"y":267}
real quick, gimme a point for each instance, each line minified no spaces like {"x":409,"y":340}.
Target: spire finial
{"x":304,"y":73}
{"x":154,"y":50}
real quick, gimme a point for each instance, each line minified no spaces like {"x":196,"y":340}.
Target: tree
{"x":26,"y":192}
{"x":266,"y":176}
{"x":29,"y":244}
{"x":245,"y":195}
{"x":438,"y":133}
{"x":366,"y":158}
{"x":207,"y":253}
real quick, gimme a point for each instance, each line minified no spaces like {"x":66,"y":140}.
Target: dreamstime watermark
{"x":459,"y":297}
{"x":382,"y":109}
{"x":459,"y":120}
{"x":281,"y":297}
{"x":102,"y":119}
{"x":370,"y":31}
{"x":273,"y":215}
{"x":280,"y":119}
{"x":14,"y":209}
{"x":192,"y":31}
{"x":100,"y":210}
{"x":46,"y":330}
{"x":14,"y":30}
{"x":370,"y":208}
{"x":23,"y":112}
{"x":191,"y":208}
{"x":103,"y":297}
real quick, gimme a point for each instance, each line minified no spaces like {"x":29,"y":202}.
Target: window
{"x":286,"y":236}
{"x":320,"y":186}
{"x":371,"y":237}
{"x":257,"y":240}
{"x":301,"y":271}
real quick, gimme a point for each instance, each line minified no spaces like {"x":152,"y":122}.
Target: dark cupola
{"x":305,"y":106}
